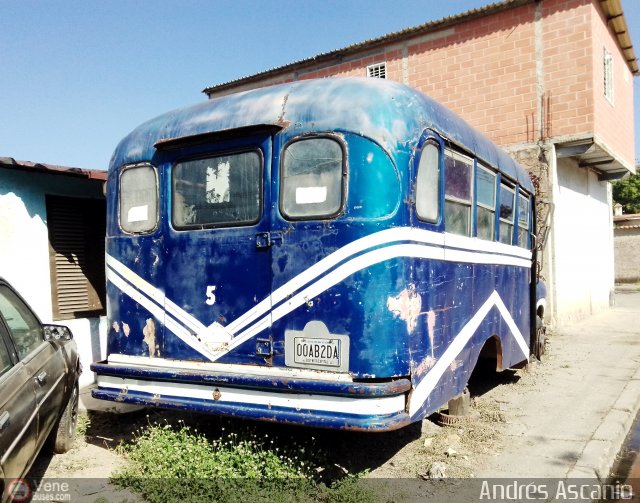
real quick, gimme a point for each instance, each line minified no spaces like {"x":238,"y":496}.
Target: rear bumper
{"x":377,"y":406}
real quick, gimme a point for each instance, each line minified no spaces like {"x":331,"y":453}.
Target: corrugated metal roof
{"x":11,"y":163}
{"x":612,"y":9}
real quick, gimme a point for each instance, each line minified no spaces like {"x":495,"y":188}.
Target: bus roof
{"x":388,"y":112}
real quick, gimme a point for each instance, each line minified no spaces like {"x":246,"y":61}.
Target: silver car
{"x":39,"y":370}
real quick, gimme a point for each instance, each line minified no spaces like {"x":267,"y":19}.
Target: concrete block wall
{"x":627,"y":254}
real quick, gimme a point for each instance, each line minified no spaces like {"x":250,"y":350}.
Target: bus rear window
{"x":138,"y":212}
{"x":224,"y":190}
{"x":312,"y":179}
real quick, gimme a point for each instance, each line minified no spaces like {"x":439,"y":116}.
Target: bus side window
{"x":312,"y":179}
{"x":523,"y":220}
{"x":485,"y":203}
{"x":138,"y":199}
{"x":428,"y":183}
{"x":507,"y":195}
{"x":458,"y":190}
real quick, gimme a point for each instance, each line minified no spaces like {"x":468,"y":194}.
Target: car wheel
{"x":65,"y":435}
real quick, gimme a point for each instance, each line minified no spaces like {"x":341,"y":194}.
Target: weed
{"x":83,"y":425}
{"x":177,"y":463}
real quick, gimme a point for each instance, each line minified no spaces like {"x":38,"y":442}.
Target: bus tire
{"x":541,"y":338}
{"x":65,"y":434}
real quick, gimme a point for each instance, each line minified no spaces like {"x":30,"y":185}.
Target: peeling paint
{"x":116,"y":327}
{"x":149,"y":332}
{"x":126,"y":329}
{"x":406,"y":306}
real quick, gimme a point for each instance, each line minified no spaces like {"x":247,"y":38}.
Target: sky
{"x":77,"y":76}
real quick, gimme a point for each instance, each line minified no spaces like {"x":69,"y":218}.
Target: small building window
{"x":312,"y":179}
{"x":507,"y":195}
{"x":224,"y":190}
{"x":485,"y":203}
{"x":523,"y":220}
{"x":139,"y":199}
{"x":428,"y":183}
{"x":378,"y":71}
{"x":76,"y":252}
{"x":458,"y":190}
{"x":608,"y":75}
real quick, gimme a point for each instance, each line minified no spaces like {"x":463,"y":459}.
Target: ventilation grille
{"x":76,"y":252}
{"x":378,"y":71}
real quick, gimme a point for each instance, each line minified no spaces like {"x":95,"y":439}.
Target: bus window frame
{"x":439,"y":192}
{"x":212,"y":155}
{"x":527,"y":196}
{"x":505,"y":183}
{"x":123,"y":169}
{"x":471,"y":164}
{"x":484,"y":167}
{"x":343,"y":185}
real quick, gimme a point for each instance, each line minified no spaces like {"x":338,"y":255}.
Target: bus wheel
{"x":541,"y":338}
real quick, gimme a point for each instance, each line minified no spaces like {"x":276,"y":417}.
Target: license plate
{"x":326,"y":351}
{"x":316,"y":351}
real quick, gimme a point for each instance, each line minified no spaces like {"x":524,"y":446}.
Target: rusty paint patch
{"x":149,"y":332}
{"x":216,"y":394}
{"x":116,"y":327}
{"x":406,"y":306}
{"x":126,"y":329}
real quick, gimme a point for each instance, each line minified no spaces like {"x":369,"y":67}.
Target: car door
{"x":18,"y":418}
{"x":42,"y":360}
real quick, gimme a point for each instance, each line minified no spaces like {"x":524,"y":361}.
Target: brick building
{"x":551,"y":81}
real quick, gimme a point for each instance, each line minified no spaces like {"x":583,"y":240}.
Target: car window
{"x":23,"y":324}
{"x":5,"y":357}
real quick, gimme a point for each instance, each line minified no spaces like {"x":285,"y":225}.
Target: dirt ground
{"x":421,"y":451}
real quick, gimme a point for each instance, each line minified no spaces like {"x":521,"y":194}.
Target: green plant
{"x":627,"y":193}
{"x":83,"y":425}
{"x":170,"y":464}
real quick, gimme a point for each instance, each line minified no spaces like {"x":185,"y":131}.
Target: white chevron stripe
{"x":426,"y":385}
{"x":476,"y":251}
{"x":181,"y":332}
{"x":501,"y":254}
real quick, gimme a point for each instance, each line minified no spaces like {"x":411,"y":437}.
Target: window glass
{"x":506,"y":214}
{"x":523,"y":220}
{"x":428,"y":183}
{"x":312,"y":178}
{"x":220,"y":190}
{"x":138,"y":199}
{"x":486,"y":203}
{"x":458,"y":193}
{"x":5,"y":358}
{"x":24,"y":326}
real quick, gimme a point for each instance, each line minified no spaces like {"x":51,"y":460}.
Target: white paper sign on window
{"x":311,"y":195}
{"x":138,"y":214}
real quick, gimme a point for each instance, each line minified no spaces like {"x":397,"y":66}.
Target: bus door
{"x":310,"y":327}
{"x":218,"y":258}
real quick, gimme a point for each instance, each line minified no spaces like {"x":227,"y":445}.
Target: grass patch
{"x":168,"y":464}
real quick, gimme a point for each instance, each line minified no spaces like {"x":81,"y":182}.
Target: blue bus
{"x":334,"y":253}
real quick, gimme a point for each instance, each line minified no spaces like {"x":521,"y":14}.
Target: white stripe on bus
{"x":295,"y":401}
{"x":431,"y":379}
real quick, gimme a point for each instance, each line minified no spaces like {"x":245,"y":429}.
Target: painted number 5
{"x":211,"y":296}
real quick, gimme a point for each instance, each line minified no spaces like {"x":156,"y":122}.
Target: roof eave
{"x":345,"y":52}
{"x":11,"y":163}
